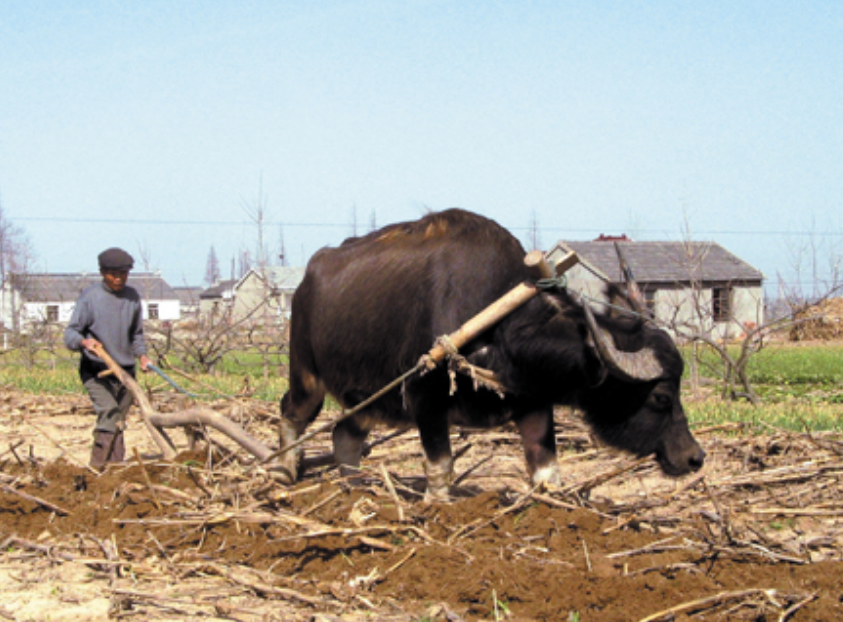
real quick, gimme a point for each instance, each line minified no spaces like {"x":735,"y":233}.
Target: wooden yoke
{"x":164,"y":443}
{"x":539,"y":268}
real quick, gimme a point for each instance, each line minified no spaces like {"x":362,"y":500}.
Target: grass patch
{"x":801,"y":387}
{"x":797,"y":416}
{"x":60,"y":376}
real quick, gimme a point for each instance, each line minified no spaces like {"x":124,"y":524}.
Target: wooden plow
{"x":445,"y":346}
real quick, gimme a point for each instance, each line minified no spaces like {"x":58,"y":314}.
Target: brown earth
{"x":757,"y":536}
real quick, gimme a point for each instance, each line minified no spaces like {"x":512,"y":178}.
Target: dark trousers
{"x":111,"y":401}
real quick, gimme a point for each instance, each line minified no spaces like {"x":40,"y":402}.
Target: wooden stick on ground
{"x":147,"y":479}
{"x":45,"y":504}
{"x":712,"y":601}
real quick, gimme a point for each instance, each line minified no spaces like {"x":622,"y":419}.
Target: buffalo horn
{"x":642,"y":365}
{"x":632,"y":289}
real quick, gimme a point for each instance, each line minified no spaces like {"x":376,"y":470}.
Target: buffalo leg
{"x":539,"y":441}
{"x":348,"y":439}
{"x":428,"y":403}
{"x":299,"y":407}
{"x":439,"y":460}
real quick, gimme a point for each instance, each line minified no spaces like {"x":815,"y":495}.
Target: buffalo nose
{"x":696,"y":460}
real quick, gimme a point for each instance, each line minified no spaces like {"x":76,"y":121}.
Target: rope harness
{"x":458,"y":364}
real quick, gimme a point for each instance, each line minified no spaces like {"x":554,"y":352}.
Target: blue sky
{"x":160,"y":126}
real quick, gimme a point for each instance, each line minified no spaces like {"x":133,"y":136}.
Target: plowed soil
{"x":210,"y":536}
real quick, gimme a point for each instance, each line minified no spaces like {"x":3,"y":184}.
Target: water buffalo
{"x":368,"y":309}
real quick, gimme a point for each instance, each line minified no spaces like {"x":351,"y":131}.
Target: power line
{"x":325,"y":225}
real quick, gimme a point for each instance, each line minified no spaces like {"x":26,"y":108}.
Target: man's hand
{"x":90,"y":344}
{"x":144,"y":362}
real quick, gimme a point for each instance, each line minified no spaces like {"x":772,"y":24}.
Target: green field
{"x":800,"y":387}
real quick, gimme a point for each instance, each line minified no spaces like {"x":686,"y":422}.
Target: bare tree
{"x":354,"y":220}
{"x":533,"y":236}
{"x":244,"y":262}
{"x":16,"y":253}
{"x":373,"y":221}
{"x":817,"y":267}
{"x":257,"y":213}
{"x":282,"y":247}
{"x":16,"y":257}
{"x":212,"y":268}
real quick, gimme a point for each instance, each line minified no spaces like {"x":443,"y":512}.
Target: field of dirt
{"x":757,"y":535}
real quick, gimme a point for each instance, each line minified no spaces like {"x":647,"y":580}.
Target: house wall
{"x":7,"y":305}
{"x":286,"y":303}
{"x":250,"y":293}
{"x":689,"y":309}
{"x":38,"y":311}
{"x":168,"y":310}
{"x":686,"y":308}
{"x":211,"y":306}
{"x":253,"y":292}
{"x":749,"y":306}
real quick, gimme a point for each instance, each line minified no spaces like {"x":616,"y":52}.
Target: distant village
{"x":28,"y":299}
{"x":682,"y":282}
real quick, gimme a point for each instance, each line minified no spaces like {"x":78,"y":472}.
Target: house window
{"x":153,"y":311}
{"x":721,"y":304}
{"x":52,"y":313}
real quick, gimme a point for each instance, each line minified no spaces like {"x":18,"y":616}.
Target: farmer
{"x":109,"y":314}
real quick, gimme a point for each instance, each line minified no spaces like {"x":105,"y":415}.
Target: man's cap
{"x":115,"y":259}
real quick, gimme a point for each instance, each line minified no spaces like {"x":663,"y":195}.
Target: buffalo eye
{"x":661,"y":401}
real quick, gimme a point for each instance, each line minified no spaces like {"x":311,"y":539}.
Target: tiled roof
{"x":188,"y":295}
{"x":219,"y":289}
{"x":67,"y":287}
{"x":665,"y":262}
{"x":285,"y":277}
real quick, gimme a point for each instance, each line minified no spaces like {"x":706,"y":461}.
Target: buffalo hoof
{"x":438,"y":495}
{"x":355,"y":478}
{"x":287,"y":465}
{"x":440,"y":475}
{"x":281,"y":474}
{"x":547,"y":476}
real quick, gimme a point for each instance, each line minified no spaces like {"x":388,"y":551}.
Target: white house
{"x":217,"y":299}
{"x":274,"y":288}
{"x":689,"y":286}
{"x":30,"y":298}
{"x":255,"y":295}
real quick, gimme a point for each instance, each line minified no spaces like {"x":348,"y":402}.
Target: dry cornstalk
{"x":147,"y":480}
{"x":45,"y":504}
{"x":241,"y":576}
{"x":592,"y":482}
{"x":653,"y":547}
{"x":387,"y":480}
{"x":782,"y":475}
{"x":796,"y":511}
{"x":713,"y":601}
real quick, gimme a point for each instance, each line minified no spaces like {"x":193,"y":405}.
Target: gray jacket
{"x":115,"y":319}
